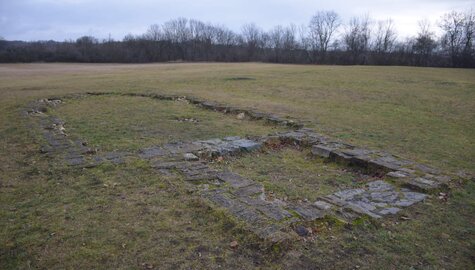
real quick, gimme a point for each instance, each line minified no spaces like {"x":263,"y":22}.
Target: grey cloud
{"x":69,"y":19}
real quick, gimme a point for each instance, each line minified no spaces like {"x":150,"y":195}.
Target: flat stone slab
{"x":75,"y":160}
{"x":247,"y":145}
{"x":308,"y":212}
{"x":376,"y":199}
{"x":233,"y":179}
{"x":227,"y":146}
{"x":152,"y":152}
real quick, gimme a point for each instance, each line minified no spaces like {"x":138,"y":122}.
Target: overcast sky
{"x":70,"y":19}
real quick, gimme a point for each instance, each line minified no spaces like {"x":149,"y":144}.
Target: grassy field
{"x":132,"y":123}
{"x":127,"y":216}
{"x":294,"y":175}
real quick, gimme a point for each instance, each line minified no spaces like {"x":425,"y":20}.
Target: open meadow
{"x":127,"y":212}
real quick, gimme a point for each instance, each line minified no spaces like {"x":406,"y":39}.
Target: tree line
{"x":325,"y":40}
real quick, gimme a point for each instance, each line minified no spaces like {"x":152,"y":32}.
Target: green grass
{"x":435,"y":235}
{"x":121,"y":122}
{"x":111,"y":217}
{"x":424,"y":114}
{"x":130,"y":217}
{"x":293,"y":174}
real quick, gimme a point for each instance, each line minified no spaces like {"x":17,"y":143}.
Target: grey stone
{"x":348,"y":194}
{"x":357,"y":152}
{"x":321,"y":150}
{"x":182,"y":148}
{"x":322,"y":205}
{"x":422,"y":183}
{"x":233,"y":179}
{"x":360,"y":161}
{"x":397,"y":174}
{"x":211,"y":142}
{"x":407,"y":170}
{"x":384,"y":196}
{"x":308,"y":212}
{"x":190,"y":157}
{"x":250,"y":190}
{"x":426,"y":169}
{"x":334,"y":200}
{"x":358,"y":209}
{"x":347,"y":215}
{"x":379,"y":185}
{"x":385,"y":164}
{"x":273,"y":211}
{"x":201,"y":177}
{"x":75,"y":161}
{"x":340,"y":156}
{"x":247,"y":214}
{"x":378,"y":204}
{"x":220,"y":199}
{"x":414,"y":196}
{"x":403,"y":203}
{"x":247,"y":145}
{"x":296,"y":135}
{"x":167,"y":165}
{"x":365,"y":205}
{"x":152,"y":152}
{"x":253,"y":201}
{"x":302,"y":231}
{"x":232,"y":138}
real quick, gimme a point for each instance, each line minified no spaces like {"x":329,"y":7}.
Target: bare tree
{"x":385,"y":37}
{"x":193,"y":40}
{"x":276,"y":41}
{"x":154,"y":32}
{"x":469,"y":35}
{"x":424,"y":44}
{"x":177,"y":33}
{"x":458,"y":36}
{"x":452,"y":24}
{"x":356,"y":38}
{"x":252,"y":37}
{"x":177,"y":30}
{"x":323,"y":26}
{"x":226,"y":37}
{"x":289,"y":37}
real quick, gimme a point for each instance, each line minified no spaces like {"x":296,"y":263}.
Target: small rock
{"x":443,"y":196}
{"x":241,"y":116}
{"x":302,"y":231}
{"x":233,"y":244}
{"x":190,"y":157}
